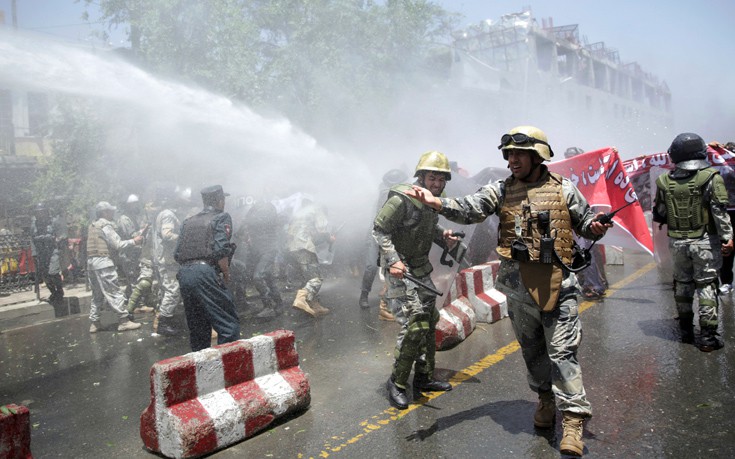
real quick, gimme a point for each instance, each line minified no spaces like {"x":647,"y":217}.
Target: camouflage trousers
{"x":549,"y":340}
{"x":418,"y":316}
{"x":696,"y":268}
{"x":143,"y":286}
{"x":170,"y":288}
{"x":308,"y":265}
{"x":105,"y":288}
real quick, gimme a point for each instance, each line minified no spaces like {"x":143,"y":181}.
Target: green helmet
{"x":434,"y":161}
{"x":526,"y":138}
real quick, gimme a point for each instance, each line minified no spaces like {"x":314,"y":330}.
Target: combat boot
{"x":143,"y":310}
{"x":396,"y":395}
{"x":301,"y":303}
{"x":166,"y":326}
{"x":384,"y":313}
{"x":571,"y":442}
{"x":686,"y":329}
{"x":265,"y":315}
{"x":425,"y":383}
{"x":127,"y":324}
{"x":710,"y":341}
{"x":364,"y":300}
{"x":318,"y":308}
{"x":545,"y":413}
{"x":95,"y":327}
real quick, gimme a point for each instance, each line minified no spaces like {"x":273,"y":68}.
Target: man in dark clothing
{"x":261,"y":228}
{"x":46,"y":243}
{"x":204,"y":251}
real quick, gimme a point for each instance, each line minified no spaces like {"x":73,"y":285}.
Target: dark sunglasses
{"x":520,"y":139}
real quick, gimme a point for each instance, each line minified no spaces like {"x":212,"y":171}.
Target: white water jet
{"x":184,"y":132}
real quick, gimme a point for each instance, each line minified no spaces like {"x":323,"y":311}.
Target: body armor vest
{"x":96,"y":244}
{"x":522,"y":204}
{"x":686,"y":214}
{"x":415,"y":234}
{"x":196,"y":242}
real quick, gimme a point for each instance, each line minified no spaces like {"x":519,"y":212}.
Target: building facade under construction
{"x":526,"y":67}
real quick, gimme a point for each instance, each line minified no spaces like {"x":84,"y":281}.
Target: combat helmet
{"x":394,"y":177}
{"x":689,"y":152}
{"x":526,"y":138}
{"x":571,"y":152}
{"x":434,"y":161}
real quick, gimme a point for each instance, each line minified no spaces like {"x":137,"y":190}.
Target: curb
{"x":15,"y":433}
{"x":206,"y":400}
{"x":34,"y":312}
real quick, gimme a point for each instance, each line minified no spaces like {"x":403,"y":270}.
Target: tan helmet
{"x":434,"y":161}
{"x":526,"y":138}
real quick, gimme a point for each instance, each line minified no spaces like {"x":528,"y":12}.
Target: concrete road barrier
{"x":15,"y":433}
{"x":206,"y":400}
{"x":472,"y":298}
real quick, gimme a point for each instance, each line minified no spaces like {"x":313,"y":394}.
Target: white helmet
{"x":133,"y":198}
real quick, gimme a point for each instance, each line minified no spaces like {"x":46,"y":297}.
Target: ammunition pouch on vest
{"x":687,"y":213}
{"x":535,"y":222}
{"x":96,"y":244}
{"x":196,"y":241}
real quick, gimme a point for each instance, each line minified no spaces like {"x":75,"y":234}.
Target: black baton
{"x":421,"y":284}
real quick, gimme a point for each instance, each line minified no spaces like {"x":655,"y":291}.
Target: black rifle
{"x":607,"y":218}
{"x":421,"y":284}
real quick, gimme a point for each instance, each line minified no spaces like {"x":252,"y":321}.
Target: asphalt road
{"x":652,"y":396}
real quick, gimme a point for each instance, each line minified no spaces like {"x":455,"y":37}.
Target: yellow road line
{"x":391,"y":414}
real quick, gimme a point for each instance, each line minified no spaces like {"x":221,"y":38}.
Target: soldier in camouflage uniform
{"x":308,"y":228}
{"x":541,"y":292}
{"x":102,"y":242}
{"x":692,"y":202}
{"x":130,"y":224}
{"x":165,"y":237}
{"x":391,"y":178}
{"x":405,"y":230}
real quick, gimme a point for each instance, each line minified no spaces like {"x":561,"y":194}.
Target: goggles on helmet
{"x":519,"y":139}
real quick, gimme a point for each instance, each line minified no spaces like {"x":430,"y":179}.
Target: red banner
{"x":603,"y":181}
{"x":638,"y":169}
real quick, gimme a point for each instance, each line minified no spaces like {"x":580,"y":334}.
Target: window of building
{"x":37,"y":114}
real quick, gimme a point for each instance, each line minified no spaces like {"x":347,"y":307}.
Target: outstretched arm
{"x":425,"y":196}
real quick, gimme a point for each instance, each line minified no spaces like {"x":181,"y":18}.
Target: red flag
{"x":639,"y":169}
{"x":602,"y":179}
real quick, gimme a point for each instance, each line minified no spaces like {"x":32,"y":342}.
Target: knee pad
{"x":145,"y":284}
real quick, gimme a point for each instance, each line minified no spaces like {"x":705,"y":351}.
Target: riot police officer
{"x":204,"y":252}
{"x":692,"y":202}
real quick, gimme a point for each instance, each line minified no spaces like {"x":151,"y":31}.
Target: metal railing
{"x":17,"y":269}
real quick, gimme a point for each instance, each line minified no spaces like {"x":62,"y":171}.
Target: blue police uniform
{"x":204,"y":240}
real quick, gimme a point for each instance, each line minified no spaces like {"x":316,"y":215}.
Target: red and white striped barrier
{"x":472,"y":298}
{"x":206,"y":400}
{"x":15,"y":432}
